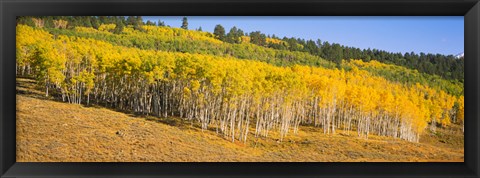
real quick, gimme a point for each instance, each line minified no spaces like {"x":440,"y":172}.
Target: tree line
{"x":446,"y":66}
{"x":197,"y":42}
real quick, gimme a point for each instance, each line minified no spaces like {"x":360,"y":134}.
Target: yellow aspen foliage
{"x":62,"y":24}
{"x":245,"y":39}
{"x":39,"y":23}
{"x":461,"y":109}
{"x":275,"y":41}
{"x":86,"y":29}
{"x":107,"y":27}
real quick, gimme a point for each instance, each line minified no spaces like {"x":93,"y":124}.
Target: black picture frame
{"x":9,"y":9}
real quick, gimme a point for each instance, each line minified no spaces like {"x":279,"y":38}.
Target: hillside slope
{"x":50,"y":131}
{"x":194,"y":42}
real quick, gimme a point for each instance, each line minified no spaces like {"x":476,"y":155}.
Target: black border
{"x":470,"y":9}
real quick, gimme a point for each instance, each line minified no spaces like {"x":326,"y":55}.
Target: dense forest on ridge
{"x":233,"y":82}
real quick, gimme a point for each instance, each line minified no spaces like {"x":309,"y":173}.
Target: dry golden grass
{"x":50,"y":131}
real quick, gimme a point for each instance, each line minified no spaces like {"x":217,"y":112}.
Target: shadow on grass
{"x":171,"y":121}
{"x":28,"y":87}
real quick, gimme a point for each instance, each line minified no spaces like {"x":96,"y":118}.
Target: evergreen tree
{"x":258,"y":38}
{"x":131,"y":20}
{"x":219,"y":32}
{"x":337,"y":54}
{"x":138,"y":23}
{"x":25,"y":20}
{"x":185,"y":23}
{"x":103,"y":19}
{"x":234,"y":36}
{"x":150,"y":23}
{"x":87,"y":21}
{"x":118,"y":27}
{"x":48,"y":22}
{"x":95,"y":22}
{"x":161,"y":23}
{"x":311,"y":47}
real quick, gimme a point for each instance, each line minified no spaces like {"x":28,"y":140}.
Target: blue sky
{"x":435,"y":34}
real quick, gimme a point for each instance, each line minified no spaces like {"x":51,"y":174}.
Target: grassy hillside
{"x":96,"y":134}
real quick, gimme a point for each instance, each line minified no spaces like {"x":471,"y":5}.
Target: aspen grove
{"x":235,"y":97}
